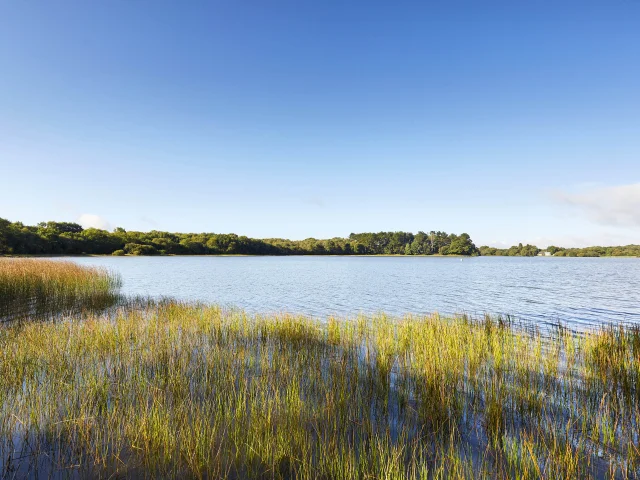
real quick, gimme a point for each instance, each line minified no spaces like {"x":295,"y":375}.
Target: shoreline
{"x":437,"y":255}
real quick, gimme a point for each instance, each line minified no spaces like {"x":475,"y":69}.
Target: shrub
{"x":140,"y":249}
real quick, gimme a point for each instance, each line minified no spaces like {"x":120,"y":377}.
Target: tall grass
{"x":38,"y":288}
{"x":185,"y":391}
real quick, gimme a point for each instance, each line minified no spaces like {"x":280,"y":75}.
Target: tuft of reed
{"x":191,"y":391}
{"x":41,"y":288}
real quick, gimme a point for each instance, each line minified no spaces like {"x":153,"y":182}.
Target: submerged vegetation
{"x":176,"y":390}
{"x":38,"y":288}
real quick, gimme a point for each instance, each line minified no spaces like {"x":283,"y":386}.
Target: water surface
{"x":576,"y":291}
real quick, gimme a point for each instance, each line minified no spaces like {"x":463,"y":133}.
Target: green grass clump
{"x":184,"y":391}
{"x":39,"y":288}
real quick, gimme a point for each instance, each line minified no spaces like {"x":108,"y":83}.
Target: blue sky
{"x":512,"y":121}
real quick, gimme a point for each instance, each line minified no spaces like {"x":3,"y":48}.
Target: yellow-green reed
{"x":183,"y":391}
{"x":37,"y":287}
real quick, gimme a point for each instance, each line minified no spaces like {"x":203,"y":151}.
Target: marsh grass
{"x":36,"y":288}
{"x":183,"y":391}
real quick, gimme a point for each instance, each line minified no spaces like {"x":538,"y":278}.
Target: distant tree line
{"x":621,"y":251}
{"x":70,"y":238}
{"x":531,"y":251}
{"x":403,"y":243}
{"x":515,"y":251}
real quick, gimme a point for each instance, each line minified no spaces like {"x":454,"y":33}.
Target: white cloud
{"x":616,"y":206}
{"x":88,"y":220}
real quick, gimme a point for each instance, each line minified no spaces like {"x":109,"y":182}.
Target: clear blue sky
{"x":512,"y":121}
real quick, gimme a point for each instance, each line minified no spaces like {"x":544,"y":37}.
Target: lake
{"x":576,"y":291}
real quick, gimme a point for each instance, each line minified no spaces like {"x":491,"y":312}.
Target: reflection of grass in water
{"x":175,"y":390}
{"x":39,"y":288}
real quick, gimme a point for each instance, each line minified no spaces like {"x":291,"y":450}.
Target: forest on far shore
{"x":531,"y":250}
{"x":67,"y":238}
{"x":71,"y":239}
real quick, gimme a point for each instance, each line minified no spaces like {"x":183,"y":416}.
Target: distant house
{"x":544,"y":254}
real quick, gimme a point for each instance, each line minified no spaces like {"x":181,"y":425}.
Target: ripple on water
{"x":579,"y":292}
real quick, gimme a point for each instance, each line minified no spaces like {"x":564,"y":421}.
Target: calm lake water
{"x":576,"y":291}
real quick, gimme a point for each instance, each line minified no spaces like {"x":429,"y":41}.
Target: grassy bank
{"x":38,"y":288}
{"x":174,"y":390}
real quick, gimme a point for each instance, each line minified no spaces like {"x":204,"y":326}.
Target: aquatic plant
{"x":39,"y":288}
{"x":175,"y":390}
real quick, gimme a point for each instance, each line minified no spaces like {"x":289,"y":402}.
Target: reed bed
{"x":40,"y":288}
{"x":192,"y":391}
